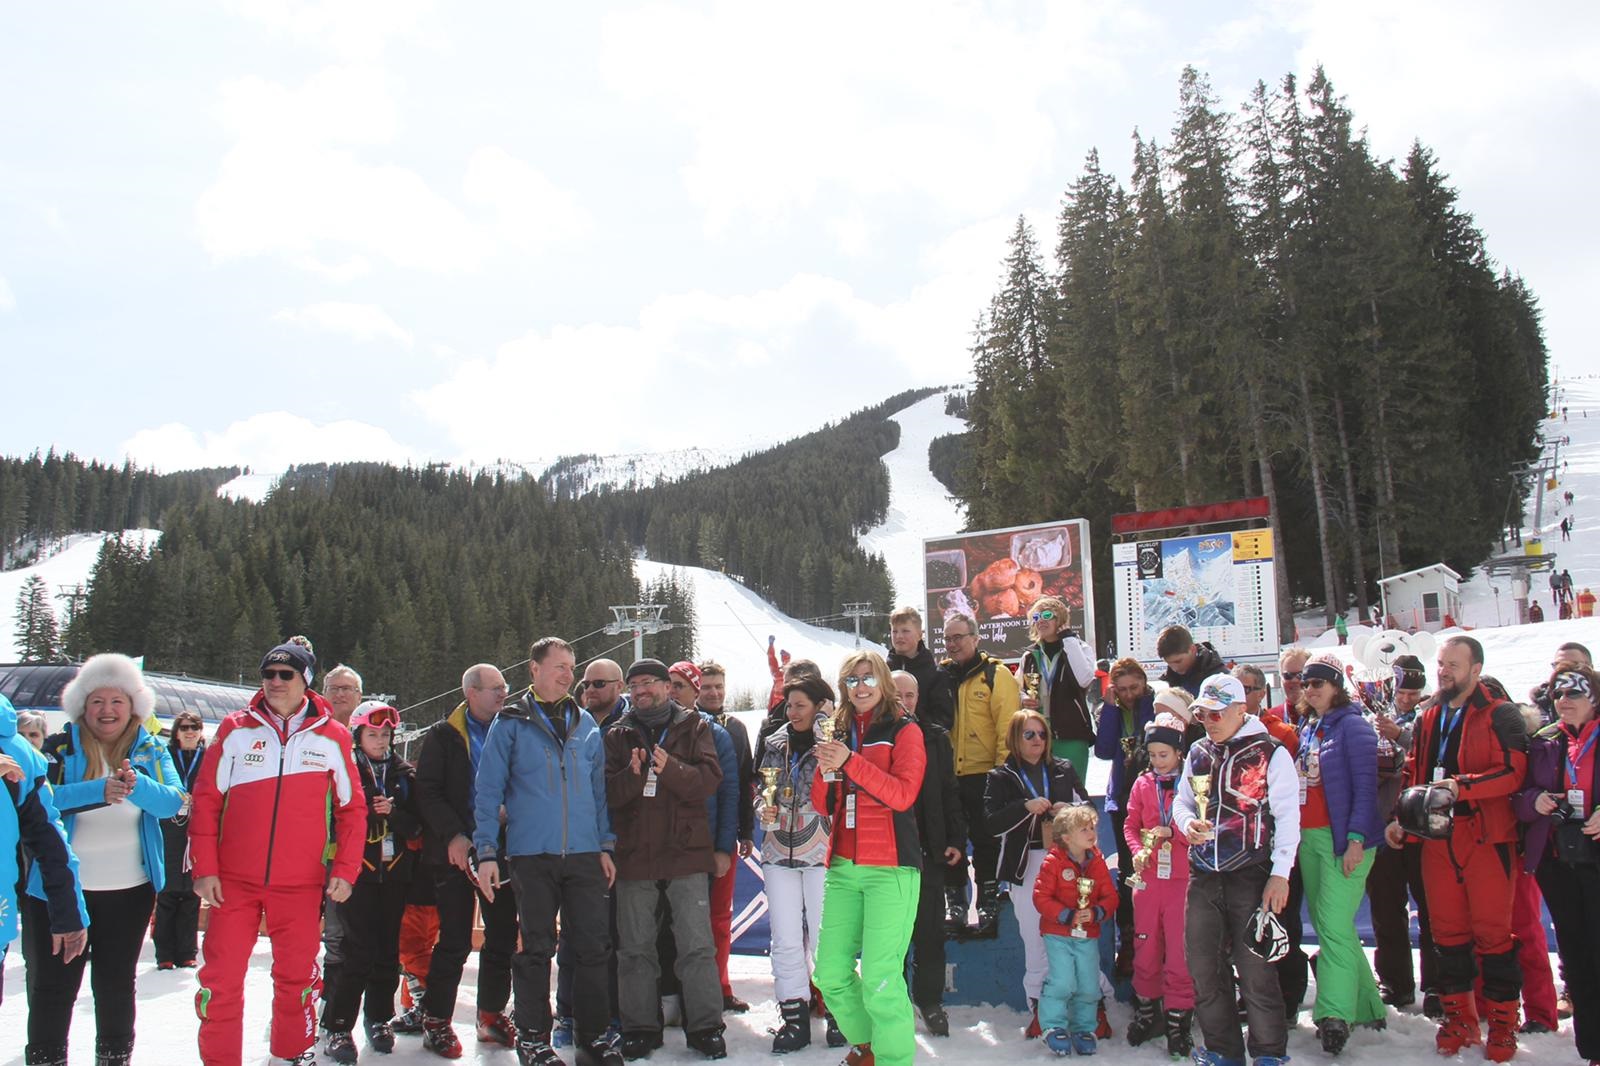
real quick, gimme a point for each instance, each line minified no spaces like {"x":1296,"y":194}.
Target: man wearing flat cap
{"x":661,"y":768}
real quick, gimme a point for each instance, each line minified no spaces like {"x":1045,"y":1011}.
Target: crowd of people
{"x":598,"y":823}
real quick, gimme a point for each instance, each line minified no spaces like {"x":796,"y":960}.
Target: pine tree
{"x":37,"y":640}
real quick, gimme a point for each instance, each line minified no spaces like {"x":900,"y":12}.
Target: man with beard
{"x":601,"y":694}
{"x":1476,"y":748}
{"x":661,"y":768}
{"x":908,"y":652}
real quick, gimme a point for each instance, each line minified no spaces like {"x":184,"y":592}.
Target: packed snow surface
{"x":252,"y":487}
{"x":919,"y":506}
{"x":68,"y":565}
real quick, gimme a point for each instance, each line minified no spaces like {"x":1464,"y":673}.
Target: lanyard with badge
{"x":380,"y":777}
{"x":1575,"y":791}
{"x":1447,"y":726}
{"x":650,"y":778}
{"x":1310,"y":759}
{"x":850,"y":786}
{"x":1042,"y":792}
{"x":1168,"y":790}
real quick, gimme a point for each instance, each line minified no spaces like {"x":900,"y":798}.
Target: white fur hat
{"x":108,"y":671}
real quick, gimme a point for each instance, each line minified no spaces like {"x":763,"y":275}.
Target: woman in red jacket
{"x":867,"y":781}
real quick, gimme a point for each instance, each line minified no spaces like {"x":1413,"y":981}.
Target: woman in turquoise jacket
{"x":113,"y":782}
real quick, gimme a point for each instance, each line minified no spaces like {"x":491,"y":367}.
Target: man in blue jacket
{"x":544,"y":764}
{"x":29,"y":817}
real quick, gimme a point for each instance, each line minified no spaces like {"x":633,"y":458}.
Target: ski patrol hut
{"x":1420,"y":599}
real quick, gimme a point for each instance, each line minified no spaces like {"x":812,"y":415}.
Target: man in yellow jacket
{"x":986,"y":697}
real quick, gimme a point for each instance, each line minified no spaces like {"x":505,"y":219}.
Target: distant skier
{"x":1586,"y":604}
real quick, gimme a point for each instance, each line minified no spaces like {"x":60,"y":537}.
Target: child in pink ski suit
{"x":1160,"y":971}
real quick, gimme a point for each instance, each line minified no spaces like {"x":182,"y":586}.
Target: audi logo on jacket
{"x":271,"y":794}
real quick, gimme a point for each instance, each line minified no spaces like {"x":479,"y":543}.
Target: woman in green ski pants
{"x":869,"y":901}
{"x":1339,"y":827}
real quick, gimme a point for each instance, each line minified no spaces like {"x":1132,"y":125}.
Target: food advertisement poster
{"x":999,"y":574}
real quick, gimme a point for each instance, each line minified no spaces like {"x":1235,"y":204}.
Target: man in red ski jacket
{"x":273,"y":778}
{"x":1477,"y":747}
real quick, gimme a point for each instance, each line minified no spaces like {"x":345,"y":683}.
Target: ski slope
{"x":919,"y":506}
{"x":70,"y":565}
{"x":732,"y":625}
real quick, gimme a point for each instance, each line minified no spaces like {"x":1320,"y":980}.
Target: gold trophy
{"x":1030,"y":684}
{"x":1085,"y":890}
{"x":823,"y":727}
{"x":769,"y":791}
{"x":1141,"y":858}
{"x":1202,"y":796}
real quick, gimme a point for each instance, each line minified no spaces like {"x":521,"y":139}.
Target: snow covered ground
{"x":252,"y":487}
{"x":919,"y":506}
{"x":70,"y":565}
{"x":732,"y":625}
{"x":166,"y":1027}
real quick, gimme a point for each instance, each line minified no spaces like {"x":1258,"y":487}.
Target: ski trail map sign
{"x":997,"y":575}
{"x":1219,"y":585}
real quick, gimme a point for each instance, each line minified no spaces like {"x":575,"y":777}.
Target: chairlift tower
{"x":638,"y":619}
{"x":858,"y":611}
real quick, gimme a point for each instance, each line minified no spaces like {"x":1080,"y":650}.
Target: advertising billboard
{"x":998,"y":574}
{"x":1219,"y":585}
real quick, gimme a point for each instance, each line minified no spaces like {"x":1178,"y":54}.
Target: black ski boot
{"x":988,"y":910}
{"x":1334,"y":1033}
{"x":1146,"y":1021}
{"x":108,"y":1055}
{"x":796,"y":1030}
{"x":38,"y":1056}
{"x":833,"y":1036}
{"x":955,"y":912}
{"x":1179,"y":1041}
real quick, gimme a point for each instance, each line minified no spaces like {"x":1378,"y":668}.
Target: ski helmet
{"x":1265,"y":936}
{"x":1427,"y":811}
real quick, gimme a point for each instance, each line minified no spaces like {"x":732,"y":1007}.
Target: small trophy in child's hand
{"x":769,"y":791}
{"x":1085,"y":890}
{"x":1141,"y":858}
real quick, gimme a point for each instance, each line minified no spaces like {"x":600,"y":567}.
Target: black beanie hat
{"x":651,"y":667}
{"x":296,"y":655}
{"x":1409,"y":673}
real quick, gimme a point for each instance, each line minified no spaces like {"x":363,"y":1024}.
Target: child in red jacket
{"x":1074,"y":893}
{"x":1160,"y":968}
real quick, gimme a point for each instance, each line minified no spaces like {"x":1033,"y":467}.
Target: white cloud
{"x":530,"y":210}
{"x":298,"y":183}
{"x":8,"y":299}
{"x":942,"y":100}
{"x":362,"y":322}
{"x":270,"y":441}
{"x":357,"y":28}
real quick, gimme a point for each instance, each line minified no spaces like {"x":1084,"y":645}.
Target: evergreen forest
{"x":1266,"y":309}
{"x":411,"y":574}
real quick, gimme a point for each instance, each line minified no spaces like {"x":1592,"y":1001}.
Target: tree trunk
{"x":1358,"y":569}
{"x":1269,"y":489}
{"x":1320,"y":491}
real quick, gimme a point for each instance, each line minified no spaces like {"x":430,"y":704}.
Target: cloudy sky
{"x":274,"y":231}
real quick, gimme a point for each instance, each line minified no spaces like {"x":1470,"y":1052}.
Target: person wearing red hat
{"x":278,"y":781}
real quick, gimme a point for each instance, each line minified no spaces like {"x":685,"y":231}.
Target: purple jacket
{"x":1547,"y":772}
{"x":1349,"y":762}
{"x":1108,"y":745}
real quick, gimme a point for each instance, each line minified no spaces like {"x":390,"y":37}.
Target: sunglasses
{"x":1572,"y":693}
{"x":598,"y":684}
{"x":1318,"y":682}
{"x":1033,"y":734}
{"x":1292,"y":675}
{"x":1207,"y":714}
{"x":188,"y":728}
{"x":1042,"y":616}
{"x":1253,"y":688}
{"x":869,"y":680}
{"x":279,"y":675}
